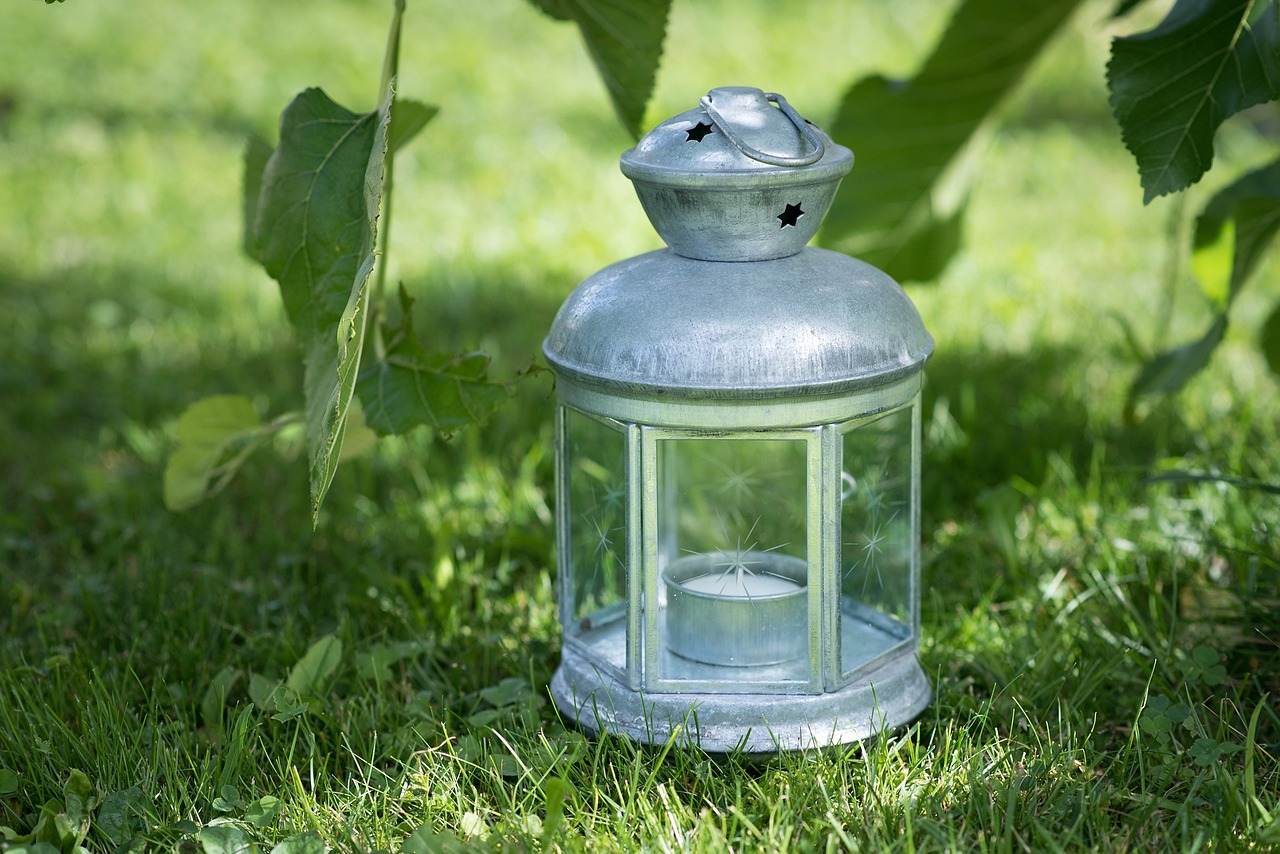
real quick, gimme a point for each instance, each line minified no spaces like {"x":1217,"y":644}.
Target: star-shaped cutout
{"x":790,"y":215}
{"x":697,"y":132}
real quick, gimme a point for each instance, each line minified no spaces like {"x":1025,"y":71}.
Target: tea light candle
{"x":737,"y":609}
{"x":737,"y":584}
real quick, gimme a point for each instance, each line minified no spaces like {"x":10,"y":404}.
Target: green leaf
{"x":228,"y":799}
{"x":555,"y":791}
{"x":260,"y":690}
{"x":908,"y":189}
{"x":309,"y":675}
{"x":508,"y":692}
{"x":120,"y":816}
{"x":206,"y":433}
{"x":263,"y":811}
{"x":256,"y":154}
{"x":408,"y":118}
{"x":1211,"y":265}
{"x":285,"y":704}
{"x":215,"y":696}
{"x":303,"y":843}
{"x":624,"y":39}
{"x":8,"y":782}
{"x":426,"y":841}
{"x":225,"y":839}
{"x":32,"y":848}
{"x":561,"y":10}
{"x":315,"y":231}
{"x":1171,"y":370}
{"x":1246,"y":216}
{"x":376,"y":663}
{"x":77,"y":796}
{"x":1270,"y":339}
{"x":412,"y":387}
{"x":1172,"y":86}
{"x":1239,"y":222}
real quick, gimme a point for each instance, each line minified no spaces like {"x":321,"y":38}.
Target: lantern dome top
{"x":818,"y":322}
{"x":742,"y":177}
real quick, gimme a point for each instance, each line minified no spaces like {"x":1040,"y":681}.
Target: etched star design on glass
{"x":742,"y":561}
{"x":876,"y":492}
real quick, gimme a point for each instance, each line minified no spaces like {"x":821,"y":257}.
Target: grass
{"x":1103,"y":644}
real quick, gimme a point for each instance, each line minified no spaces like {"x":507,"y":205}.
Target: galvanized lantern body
{"x":738,"y":456}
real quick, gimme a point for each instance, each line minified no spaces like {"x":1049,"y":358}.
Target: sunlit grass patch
{"x":1100,"y":597}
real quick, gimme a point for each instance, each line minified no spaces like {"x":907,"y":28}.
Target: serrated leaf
{"x":309,"y":675}
{"x":1172,"y":86}
{"x":408,"y":118}
{"x":910,"y":138}
{"x":1270,"y":340}
{"x":285,"y":704}
{"x":624,"y":39}
{"x":411,"y":387}
{"x":206,"y":433}
{"x":315,"y":231}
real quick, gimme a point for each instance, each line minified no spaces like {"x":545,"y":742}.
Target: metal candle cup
{"x":737,"y":610}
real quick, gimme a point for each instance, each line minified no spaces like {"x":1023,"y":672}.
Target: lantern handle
{"x":805,"y":128}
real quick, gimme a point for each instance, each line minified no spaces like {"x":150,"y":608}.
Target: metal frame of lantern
{"x":661,"y":357}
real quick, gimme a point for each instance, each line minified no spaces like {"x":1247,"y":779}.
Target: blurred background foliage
{"x":1061,"y":583}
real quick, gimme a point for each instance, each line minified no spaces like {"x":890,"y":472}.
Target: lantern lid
{"x":818,"y":322}
{"x":742,"y":177}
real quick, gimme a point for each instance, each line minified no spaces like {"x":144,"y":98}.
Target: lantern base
{"x":888,"y":697}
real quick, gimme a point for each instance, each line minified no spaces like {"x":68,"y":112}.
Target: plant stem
{"x":390,"y":67}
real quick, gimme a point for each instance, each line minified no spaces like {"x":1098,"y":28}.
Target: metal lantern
{"x":738,"y":435}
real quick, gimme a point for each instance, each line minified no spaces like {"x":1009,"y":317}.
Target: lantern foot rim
{"x":892,"y":695}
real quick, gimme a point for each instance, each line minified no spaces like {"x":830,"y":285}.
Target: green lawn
{"x":1104,"y":644}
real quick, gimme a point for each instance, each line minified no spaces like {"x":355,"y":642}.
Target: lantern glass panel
{"x":732,"y":533}
{"x":877,"y":527}
{"x":596,"y":519}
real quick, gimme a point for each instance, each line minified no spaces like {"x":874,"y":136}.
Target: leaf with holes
{"x":624,"y":38}
{"x":1172,"y":86}
{"x":314,"y":230}
{"x":905,"y":197}
{"x":411,"y":387}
